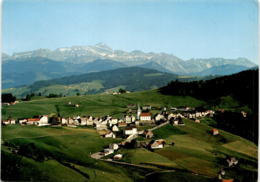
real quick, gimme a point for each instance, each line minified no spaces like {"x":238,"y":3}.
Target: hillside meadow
{"x":63,"y":153}
{"x":57,"y":154}
{"x":95,"y":105}
{"x":197,"y":151}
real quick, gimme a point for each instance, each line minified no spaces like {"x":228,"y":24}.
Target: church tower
{"x":138,"y":112}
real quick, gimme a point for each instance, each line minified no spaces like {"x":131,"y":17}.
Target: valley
{"x":61,"y":149}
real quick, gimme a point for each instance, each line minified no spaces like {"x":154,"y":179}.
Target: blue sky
{"x":185,"y":28}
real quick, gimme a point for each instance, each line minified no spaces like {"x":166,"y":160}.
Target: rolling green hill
{"x":97,"y":105}
{"x":132,"y":79}
{"x":25,"y":71}
{"x":56,"y":154}
{"x":62,"y":153}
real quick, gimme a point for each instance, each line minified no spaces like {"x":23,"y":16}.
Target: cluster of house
{"x":231,"y":162}
{"x":153,"y":144}
{"x":112,"y":125}
{"x":118,"y":93}
{"x":39,"y":121}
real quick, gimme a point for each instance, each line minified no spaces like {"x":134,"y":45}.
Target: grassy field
{"x":96,"y":105}
{"x":197,"y":151}
{"x":66,"y":152}
{"x":63,"y":154}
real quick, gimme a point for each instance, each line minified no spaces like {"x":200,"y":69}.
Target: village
{"x":139,"y":121}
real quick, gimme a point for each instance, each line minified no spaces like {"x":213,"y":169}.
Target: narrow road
{"x":128,"y":164}
{"x":159,"y":126}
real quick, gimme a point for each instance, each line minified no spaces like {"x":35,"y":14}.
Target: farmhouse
{"x":128,"y":119}
{"x":33,"y":121}
{"x":114,"y":121}
{"x":64,"y":121}
{"x":83,"y":121}
{"x":108,"y":151}
{"x":158,"y":144}
{"x":90,"y":121}
{"x":6,"y":122}
{"x":232,"y":162}
{"x":22,"y":121}
{"x":197,"y":121}
{"x":110,"y":134}
{"x":43,"y":121}
{"x":148,"y":134}
{"x":118,"y":157}
{"x":131,"y":130}
{"x":147,"y":107}
{"x":171,"y":115}
{"x":101,"y":126}
{"x":215,"y":131}
{"x":122,"y":124}
{"x":114,"y":146}
{"x":70,"y":121}
{"x":159,"y":117}
{"x":115,"y":128}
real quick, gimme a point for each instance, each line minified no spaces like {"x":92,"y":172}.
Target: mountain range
{"x":27,"y":67}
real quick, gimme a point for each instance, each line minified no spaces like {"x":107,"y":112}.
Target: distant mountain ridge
{"x":222,"y":70}
{"x":100,"y":57}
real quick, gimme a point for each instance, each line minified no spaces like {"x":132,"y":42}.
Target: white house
{"x":131,"y":131}
{"x":110,"y":134}
{"x":90,"y":121}
{"x":83,"y":121}
{"x":179,"y":115}
{"x":22,"y":121}
{"x":43,"y":121}
{"x":158,"y":144}
{"x":171,"y":115}
{"x":128,"y":119}
{"x":159,"y":117}
{"x":198,"y":114}
{"x":33,"y":121}
{"x":7,"y":122}
{"x":108,"y":151}
{"x":115,"y":128}
{"x":114,"y":121}
{"x":114,"y":146}
{"x":100,"y":126}
{"x":12,"y":121}
{"x":145,"y":116}
{"x":118,"y":157}
{"x":175,"y":122}
{"x":70,"y":121}
{"x":64,"y":121}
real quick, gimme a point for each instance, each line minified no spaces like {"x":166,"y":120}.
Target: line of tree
{"x":8,"y":97}
{"x":243,"y":87}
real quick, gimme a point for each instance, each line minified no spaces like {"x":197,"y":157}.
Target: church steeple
{"x":138,"y":112}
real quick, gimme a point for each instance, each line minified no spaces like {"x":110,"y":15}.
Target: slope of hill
{"x":130,"y":78}
{"x":55,"y":153}
{"x":25,"y":71}
{"x":238,"y":90}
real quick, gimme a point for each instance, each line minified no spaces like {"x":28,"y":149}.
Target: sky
{"x":186,"y":28}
